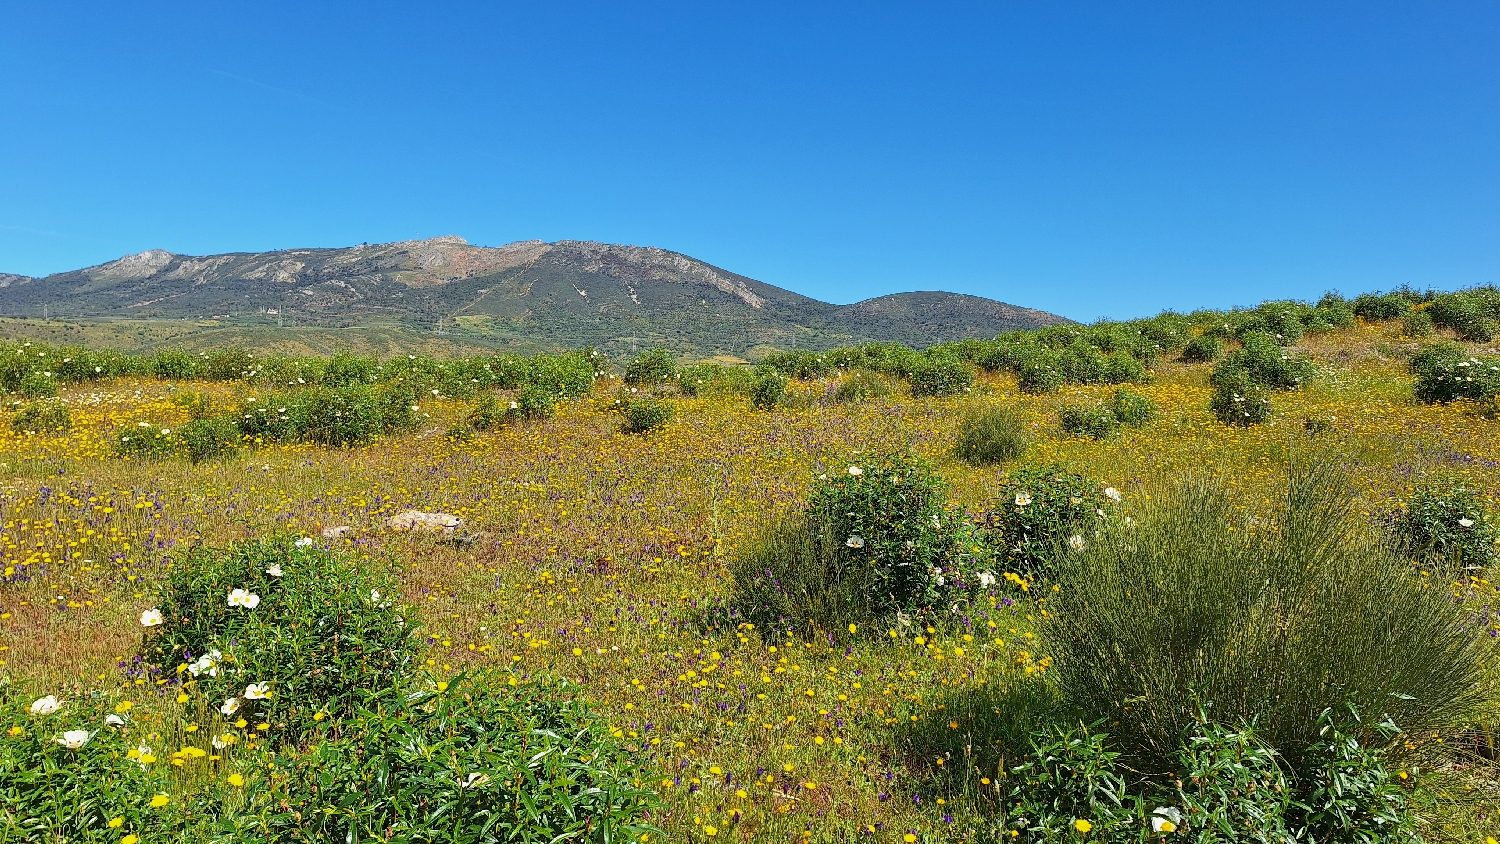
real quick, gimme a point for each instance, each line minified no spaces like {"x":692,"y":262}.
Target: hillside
{"x":569,"y":293}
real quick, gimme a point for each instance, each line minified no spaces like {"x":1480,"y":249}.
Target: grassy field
{"x":601,"y":557}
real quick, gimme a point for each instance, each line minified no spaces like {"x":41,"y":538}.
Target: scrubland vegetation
{"x":1207,"y":577}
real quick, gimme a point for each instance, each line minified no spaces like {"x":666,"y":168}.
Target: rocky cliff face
{"x":569,"y":292}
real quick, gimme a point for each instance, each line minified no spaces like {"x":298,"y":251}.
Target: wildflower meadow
{"x":961,"y":598}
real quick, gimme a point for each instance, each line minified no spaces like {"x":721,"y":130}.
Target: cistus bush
{"x":1471,"y":314}
{"x":873,"y":540}
{"x":1204,"y":348}
{"x":651,"y":368}
{"x":173,"y":365}
{"x":208,"y":438}
{"x":1088,"y":420}
{"x":1416,"y":324}
{"x":145,"y":441}
{"x":278,"y":631}
{"x":1266,"y":363}
{"x":71,"y":768}
{"x":1225,"y":785}
{"x":1131,"y":408}
{"x":1445,"y":372}
{"x":991,"y":436}
{"x":861,"y":385}
{"x":1373,"y":307}
{"x":1042,"y":374}
{"x":473,"y":761}
{"x":1239,"y":400}
{"x":643,"y":415}
{"x":1447,"y":523}
{"x":1038,"y":511}
{"x":941,"y":377}
{"x":1272,"y":617}
{"x":767,"y":390}
{"x":40,"y":417}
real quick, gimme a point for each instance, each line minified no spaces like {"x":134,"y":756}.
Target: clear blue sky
{"x":1093,"y":159}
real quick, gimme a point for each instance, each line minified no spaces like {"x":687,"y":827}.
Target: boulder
{"x":445,"y":523}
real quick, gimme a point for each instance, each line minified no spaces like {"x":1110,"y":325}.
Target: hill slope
{"x":568,"y":293}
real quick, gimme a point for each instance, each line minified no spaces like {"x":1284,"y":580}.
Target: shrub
{"x":1416,"y":324}
{"x":39,"y":417}
{"x":1122,"y":368}
{"x":173,"y":365}
{"x":1445,"y":373}
{"x":1265,"y":363}
{"x":1132,"y":408}
{"x":225,"y":365}
{"x":860,"y":386}
{"x":396,"y":405}
{"x":145,"y":440}
{"x":1272,"y":621}
{"x":798,"y":363}
{"x":941,"y":377}
{"x":991,"y":436}
{"x":1466,"y":313}
{"x":873,"y":540}
{"x":1447,"y":523}
{"x":1040,"y":508}
{"x":207,"y":438}
{"x":339,"y":416}
{"x":533,"y":401}
{"x":1204,"y":348}
{"x":475,"y":762}
{"x":767,"y":390}
{"x":1041,"y":374}
{"x":487,"y":414}
{"x":37,"y":384}
{"x":53,"y":792}
{"x":346,"y":370}
{"x":1374,"y":307}
{"x":645,"y":414}
{"x":1083,"y":420}
{"x":1238,"y":400}
{"x":318,"y":629}
{"x":651,"y":368}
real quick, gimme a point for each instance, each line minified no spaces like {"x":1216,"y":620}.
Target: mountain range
{"x":568,"y":294}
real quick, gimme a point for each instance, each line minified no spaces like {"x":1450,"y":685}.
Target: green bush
{"x":346,"y":370}
{"x":1040,"y":509}
{"x":994,"y":435}
{"x":533,"y":401}
{"x":643,"y":415}
{"x":337,"y":416}
{"x":1446,"y":523}
{"x":37,"y":384}
{"x":146,"y":441}
{"x":207,"y":438}
{"x":1204,"y":348}
{"x":1468,"y":313}
{"x":468,"y":762}
{"x":317,"y":628}
{"x":655,"y":367}
{"x":173,"y":365}
{"x":1131,"y":408}
{"x":40,"y":417}
{"x":874,"y":540}
{"x":1041,"y":374}
{"x":1238,"y":400}
{"x":1265,"y":363}
{"x":197,"y":405}
{"x":941,"y":377}
{"x":1373,"y":307}
{"x":1088,"y":420}
{"x":1416,"y":324}
{"x":859,"y":386}
{"x":56,"y":792}
{"x":1445,"y":373}
{"x":1274,"y":619}
{"x":767,"y":390}
{"x":226,"y":365}
{"x":799,"y":363}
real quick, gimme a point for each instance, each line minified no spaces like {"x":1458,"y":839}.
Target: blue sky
{"x":1093,"y":159}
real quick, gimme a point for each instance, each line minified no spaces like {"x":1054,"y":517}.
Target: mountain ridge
{"x":567,"y":292}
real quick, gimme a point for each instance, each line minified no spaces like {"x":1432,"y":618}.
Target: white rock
{"x":336,"y":532}
{"x":417,"y":520}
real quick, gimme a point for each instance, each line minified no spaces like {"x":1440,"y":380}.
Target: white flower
{"x":1165,"y":819}
{"x":1112,"y":494}
{"x":230,"y":706}
{"x":208,"y":663}
{"x":986,"y":580}
{"x":113,"y":720}
{"x":1468,"y":523}
{"x":258,"y":691}
{"x":1075,"y":542}
{"x":856,"y":471}
{"x":219,"y":743}
{"x":855,"y":541}
{"x":151,"y":618}
{"x":475,"y":780}
{"x":45,"y":705}
{"x":74,"y":739}
{"x":241,"y":598}
{"x":303,"y":542}
{"x":1023,"y":498}
{"x":274,"y":570}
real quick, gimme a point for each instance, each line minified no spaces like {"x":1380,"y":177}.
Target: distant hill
{"x":569,"y":293}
